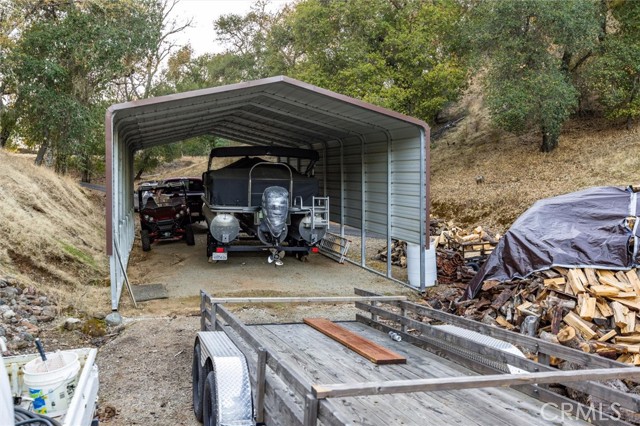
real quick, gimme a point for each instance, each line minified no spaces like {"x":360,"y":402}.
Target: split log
{"x":607,"y":336}
{"x":567,"y":304}
{"x":619,"y":314}
{"x":584,"y":328}
{"x":548,"y":337}
{"x":570,"y":338}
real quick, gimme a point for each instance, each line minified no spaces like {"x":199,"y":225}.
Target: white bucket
{"x":413,"y":264}
{"x":52,"y":383}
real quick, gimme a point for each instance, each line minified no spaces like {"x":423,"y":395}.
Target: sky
{"x":201,"y":35}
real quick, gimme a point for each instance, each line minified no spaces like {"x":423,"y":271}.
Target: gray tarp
{"x":588,"y":228}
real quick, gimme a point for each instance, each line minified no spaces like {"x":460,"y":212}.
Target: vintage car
{"x":270,"y":202}
{"x":195,"y":191}
{"x":164,"y":214}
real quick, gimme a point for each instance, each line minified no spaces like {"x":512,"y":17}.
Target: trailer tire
{"x":197,"y":382}
{"x":210,"y":401}
{"x":146,"y":240}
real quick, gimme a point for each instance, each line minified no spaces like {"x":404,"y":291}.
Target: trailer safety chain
{"x":25,"y":417}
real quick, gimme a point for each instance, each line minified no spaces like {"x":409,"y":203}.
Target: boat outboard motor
{"x":273,"y":225}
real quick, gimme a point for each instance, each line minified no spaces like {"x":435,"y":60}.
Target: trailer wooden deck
{"x":301,"y":376}
{"x":319,"y":359}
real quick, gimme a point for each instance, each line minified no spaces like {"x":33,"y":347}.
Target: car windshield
{"x":170,"y":195}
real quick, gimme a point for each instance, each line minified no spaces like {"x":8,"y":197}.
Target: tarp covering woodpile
{"x":593,"y":228}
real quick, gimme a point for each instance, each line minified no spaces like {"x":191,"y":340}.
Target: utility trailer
{"x":457,"y":372}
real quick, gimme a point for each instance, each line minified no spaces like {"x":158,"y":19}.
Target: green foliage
{"x":394,"y":54}
{"x":615,"y":74}
{"x":530,"y":48}
{"x":61,"y":66}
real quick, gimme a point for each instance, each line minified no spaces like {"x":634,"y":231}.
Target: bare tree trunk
{"x":139,"y":174}
{"x":549,"y":141}
{"x":41,"y":152}
{"x":86,"y":168}
{"x":4,"y":136}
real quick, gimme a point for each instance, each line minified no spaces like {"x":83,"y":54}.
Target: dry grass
{"x":53,"y":234}
{"x":516,"y":173}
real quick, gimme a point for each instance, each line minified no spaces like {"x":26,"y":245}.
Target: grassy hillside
{"x":516,"y":173}
{"x":52,"y":234}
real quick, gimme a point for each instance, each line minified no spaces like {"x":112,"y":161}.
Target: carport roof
{"x":272,"y":111}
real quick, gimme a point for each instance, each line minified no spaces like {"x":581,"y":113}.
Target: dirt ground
{"x":145,"y":371}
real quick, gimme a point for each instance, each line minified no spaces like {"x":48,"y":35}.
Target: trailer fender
{"x":230,"y":396}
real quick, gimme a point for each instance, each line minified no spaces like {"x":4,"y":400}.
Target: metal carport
{"x":374,"y":163}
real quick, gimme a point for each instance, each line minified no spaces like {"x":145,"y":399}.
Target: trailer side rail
{"x":457,"y":348}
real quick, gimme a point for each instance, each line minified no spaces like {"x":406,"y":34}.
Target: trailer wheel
{"x":188,"y":235}
{"x":197,"y":382}
{"x":210,"y":401}
{"x":146,"y":240}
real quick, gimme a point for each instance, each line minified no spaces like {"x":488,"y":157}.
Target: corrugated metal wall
{"x":391,"y":180}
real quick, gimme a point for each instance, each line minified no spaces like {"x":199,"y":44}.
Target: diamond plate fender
{"x":233,"y":388}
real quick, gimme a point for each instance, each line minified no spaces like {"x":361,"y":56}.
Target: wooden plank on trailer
{"x":365,"y":347}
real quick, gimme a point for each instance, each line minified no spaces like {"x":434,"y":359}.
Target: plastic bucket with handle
{"x":51,"y":383}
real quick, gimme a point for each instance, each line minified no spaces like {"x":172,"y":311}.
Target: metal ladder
{"x":334,"y":246}
{"x":320,"y":207}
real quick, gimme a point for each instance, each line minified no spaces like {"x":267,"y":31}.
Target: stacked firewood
{"x":450,"y":236}
{"x":455,"y":249}
{"x":398,"y":253}
{"x":596,"y":311}
{"x":451,"y":267}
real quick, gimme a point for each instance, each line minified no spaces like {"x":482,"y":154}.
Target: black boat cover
{"x":593,"y":228}
{"x":229,"y":186}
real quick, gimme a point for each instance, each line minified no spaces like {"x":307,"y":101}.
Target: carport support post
{"x":261,"y":369}
{"x":310,"y":410}
{"x":388,"y":204}
{"x":341,"y":188}
{"x":423,"y":218}
{"x":363,"y":233}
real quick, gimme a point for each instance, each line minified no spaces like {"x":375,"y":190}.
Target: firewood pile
{"x":450,"y":236}
{"x":596,"y":311}
{"x":451,"y":267}
{"x":398,"y":253}
{"x":455,"y":248}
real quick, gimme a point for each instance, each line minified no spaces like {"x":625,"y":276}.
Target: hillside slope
{"x":52,"y":234}
{"x":516,"y":174}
